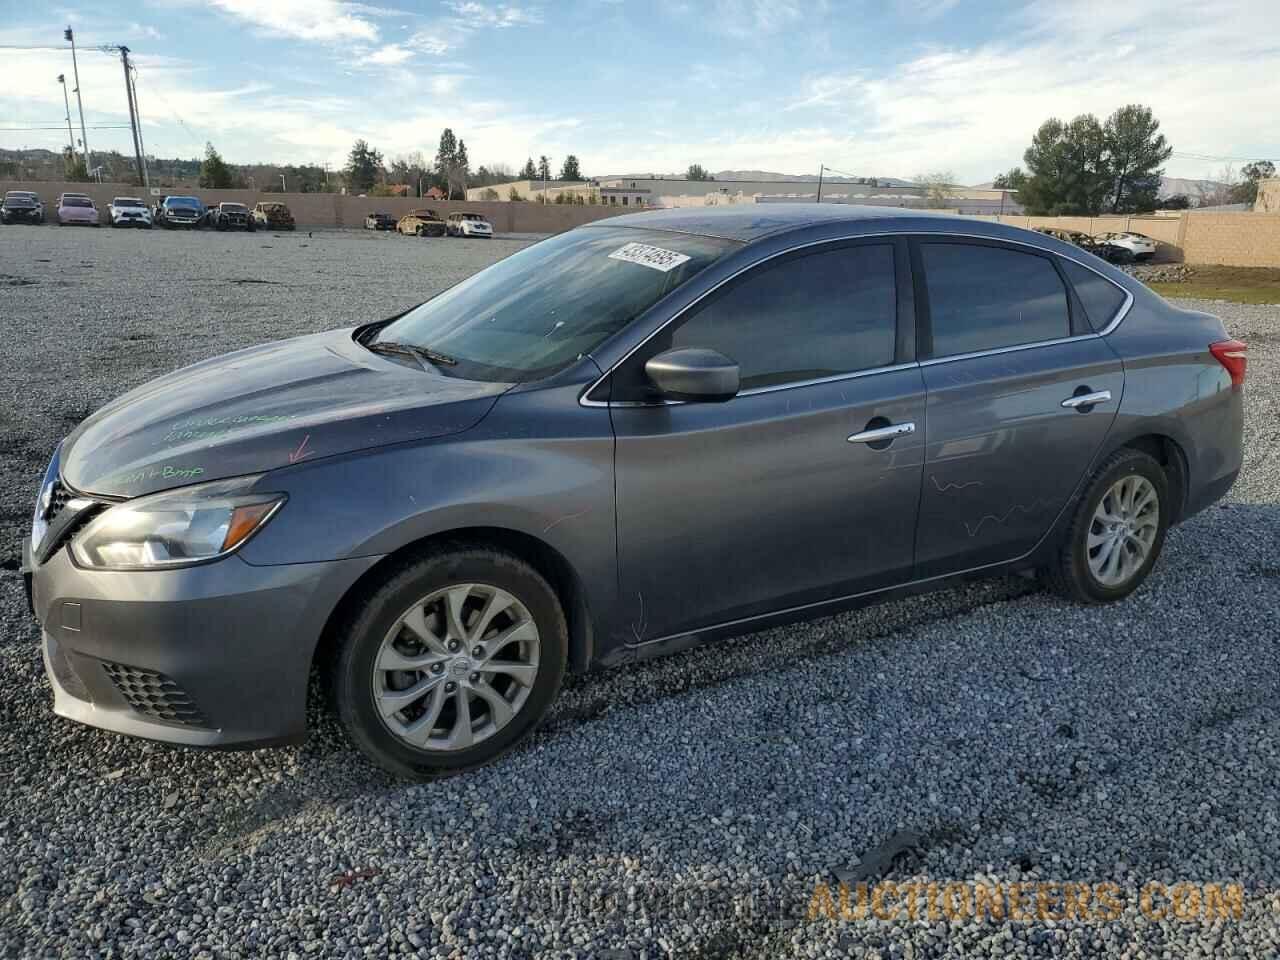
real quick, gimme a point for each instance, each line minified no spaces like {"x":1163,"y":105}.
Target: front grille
{"x":58,"y":497}
{"x":154,"y":695}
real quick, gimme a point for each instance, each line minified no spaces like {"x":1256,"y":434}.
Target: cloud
{"x":390,"y":55}
{"x":322,"y":20}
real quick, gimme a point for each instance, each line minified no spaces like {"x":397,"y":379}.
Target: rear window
{"x":234,"y":208}
{"x":1100,"y":297}
{"x":77,"y":202}
{"x":985,"y":297}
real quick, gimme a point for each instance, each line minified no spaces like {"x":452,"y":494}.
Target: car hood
{"x":262,"y":408}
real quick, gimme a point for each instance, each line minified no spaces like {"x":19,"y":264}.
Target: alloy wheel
{"x":456,"y":667}
{"x":1123,"y":530}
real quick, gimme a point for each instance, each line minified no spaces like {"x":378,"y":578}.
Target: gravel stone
{"x":684,"y":807}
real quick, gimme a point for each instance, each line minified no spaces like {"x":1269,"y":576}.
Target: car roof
{"x":747,"y":222}
{"x":130,"y":199}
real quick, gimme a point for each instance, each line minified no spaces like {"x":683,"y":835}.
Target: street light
{"x":283,"y":187}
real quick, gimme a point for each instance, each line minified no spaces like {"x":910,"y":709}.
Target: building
{"x":561,"y":191}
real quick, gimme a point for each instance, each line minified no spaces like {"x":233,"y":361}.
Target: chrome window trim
{"x":1121,"y":313}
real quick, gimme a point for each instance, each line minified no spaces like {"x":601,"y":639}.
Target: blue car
{"x":182,"y":212}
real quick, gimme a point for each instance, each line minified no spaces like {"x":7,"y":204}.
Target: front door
{"x":779,"y":497}
{"x":1021,"y":396}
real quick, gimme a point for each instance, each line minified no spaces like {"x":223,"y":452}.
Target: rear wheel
{"x":1117,"y":531}
{"x":451,"y":662}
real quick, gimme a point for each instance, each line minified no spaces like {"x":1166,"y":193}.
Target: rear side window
{"x":1100,"y":297}
{"x":984,"y":298}
{"x":817,"y":315}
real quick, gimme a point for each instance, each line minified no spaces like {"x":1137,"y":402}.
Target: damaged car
{"x":231,"y":216}
{"x":643,"y":434}
{"x":422,"y":223}
{"x":273,"y":215}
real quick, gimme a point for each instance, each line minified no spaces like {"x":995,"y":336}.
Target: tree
{"x":490,"y":194}
{"x":363,"y":165}
{"x":939,"y":187}
{"x":1246,"y":191}
{"x":529,"y":171}
{"x":1014,"y":180}
{"x":73,"y":167}
{"x":214,"y":172}
{"x":569,"y":169}
{"x":544,"y":167}
{"x":1067,"y":168}
{"x":514,"y":195}
{"x":1136,"y":151}
{"x":696,"y":172}
{"x":460,"y":171}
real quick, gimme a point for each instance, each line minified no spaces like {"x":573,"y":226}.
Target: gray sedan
{"x":650,"y":432}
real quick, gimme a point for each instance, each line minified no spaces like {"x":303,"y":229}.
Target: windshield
{"x":535,"y":312}
{"x":126,"y":202}
{"x":233,"y":207}
{"x":182,"y":202}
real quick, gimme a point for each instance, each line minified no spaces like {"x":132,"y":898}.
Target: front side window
{"x":984,"y":297}
{"x":804,"y":317}
{"x":532,"y":314}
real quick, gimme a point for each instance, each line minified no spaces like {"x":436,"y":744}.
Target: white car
{"x":468,"y":225}
{"x":129,"y":212}
{"x":1142,"y":247}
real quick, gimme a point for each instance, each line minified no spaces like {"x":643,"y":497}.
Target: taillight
{"x":1234,"y":356}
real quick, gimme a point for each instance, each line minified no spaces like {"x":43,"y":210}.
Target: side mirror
{"x":694,"y":374}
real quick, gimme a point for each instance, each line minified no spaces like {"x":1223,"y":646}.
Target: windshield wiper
{"x":411,"y":350}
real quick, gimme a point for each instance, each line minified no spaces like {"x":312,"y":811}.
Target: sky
{"x":891,"y":88}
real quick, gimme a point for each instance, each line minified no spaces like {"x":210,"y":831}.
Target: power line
{"x":58,"y":127}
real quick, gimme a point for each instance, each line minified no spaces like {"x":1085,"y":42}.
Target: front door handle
{"x":879,"y":434}
{"x":1087,"y":399}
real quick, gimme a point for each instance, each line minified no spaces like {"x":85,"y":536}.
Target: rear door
{"x":1020,"y":396}
{"x":777,"y":498}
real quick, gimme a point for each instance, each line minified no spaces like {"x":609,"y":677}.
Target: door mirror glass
{"x":694,"y":374}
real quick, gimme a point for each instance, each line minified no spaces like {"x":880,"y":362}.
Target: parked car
{"x":77,"y":208}
{"x":1098,"y":247}
{"x":129,"y":212}
{"x":231,"y":216}
{"x":468,"y":225}
{"x":1141,"y":247}
{"x":182,"y":212}
{"x":421,"y":223}
{"x":272,"y":215}
{"x":22,"y":206}
{"x":648,"y":432}
{"x":379,"y":221}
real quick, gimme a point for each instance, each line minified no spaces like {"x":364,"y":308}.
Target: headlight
{"x":177,"y":527}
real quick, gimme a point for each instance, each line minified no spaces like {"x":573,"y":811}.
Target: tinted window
{"x":818,"y":315}
{"x":1101,"y":298}
{"x":981,"y":298}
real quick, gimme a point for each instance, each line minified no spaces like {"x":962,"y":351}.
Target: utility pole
{"x":283,"y":186}
{"x":142,"y":147}
{"x":71,"y":137}
{"x":133,"y":114}
{"x":821,"y":168}
{"x":75,"y":69}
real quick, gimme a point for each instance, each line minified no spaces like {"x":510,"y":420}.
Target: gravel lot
{"x":681,"y":808}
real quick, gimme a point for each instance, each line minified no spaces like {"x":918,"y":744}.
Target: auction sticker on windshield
{"x":649,"y":256}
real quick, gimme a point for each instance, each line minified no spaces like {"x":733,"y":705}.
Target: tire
{"x":1074,"y":572}
{"x":373,"y":625}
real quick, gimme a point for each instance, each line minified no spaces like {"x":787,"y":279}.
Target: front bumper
{"x":21,"y":215}
{"x":216,"y":655}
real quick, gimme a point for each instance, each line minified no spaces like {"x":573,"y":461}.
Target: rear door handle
{"x":883,"y":433}
{"x":1088,"y":399}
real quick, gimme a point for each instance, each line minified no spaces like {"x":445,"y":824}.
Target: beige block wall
{"x":321,"y":210}
{"x":1233,"y":239}
{"x":1268,"y":200}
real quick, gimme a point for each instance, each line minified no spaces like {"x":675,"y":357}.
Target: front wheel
{"x":1117,"y":531}
{"x":451,"y":662}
